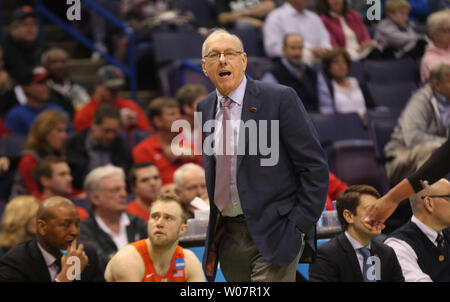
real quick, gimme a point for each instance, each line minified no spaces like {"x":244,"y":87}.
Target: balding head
{"x":57,"y":224}
{"x":432,"y":204}
{"x":49,"y":208}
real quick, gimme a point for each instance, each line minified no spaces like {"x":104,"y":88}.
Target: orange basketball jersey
{"x":176,"y":271}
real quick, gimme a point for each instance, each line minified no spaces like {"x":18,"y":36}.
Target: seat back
{"x":354,"y":162}
{"x":391,"y":71}
{"x":252,"y":40}
{"x":203,"y":10}
{"x":394,"y":96}
{"x":337,"y":127}
{"x":182,"y":72}
{"x":171,"y":46}
{"x":380,"y":133}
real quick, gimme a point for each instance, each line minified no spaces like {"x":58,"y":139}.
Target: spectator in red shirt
{"x":335,"y":187}
{"x":157,"y":148}
{"x":109,"y":82}
{"x":52,"y":175}
{"x":46,"y":137}
{"x":145,"y":183}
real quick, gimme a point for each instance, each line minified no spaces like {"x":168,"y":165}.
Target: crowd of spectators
{"x":82,"y":145}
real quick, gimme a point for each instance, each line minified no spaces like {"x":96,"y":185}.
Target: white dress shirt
{"x":408,"y":258}
{"x":50,"y":262}
{"x":356,"y":246}
{"x":349,"y":99}
{"x":237,"y":96}
{"x":120,"y":239}
{"x":286,"y":20}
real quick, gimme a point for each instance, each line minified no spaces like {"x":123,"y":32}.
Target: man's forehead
{"x":167,"y":207}
{"x":146,"y":171}
{"x":222,"y":40}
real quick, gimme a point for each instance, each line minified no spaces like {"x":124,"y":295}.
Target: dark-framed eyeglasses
{"x":446,"y":197}
{"x":229,"y":55}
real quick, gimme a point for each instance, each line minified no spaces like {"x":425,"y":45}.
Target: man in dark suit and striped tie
{"x":353,"y":256}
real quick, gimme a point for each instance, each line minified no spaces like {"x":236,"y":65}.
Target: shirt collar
{"x":355,"y":243}
{"x":292,"y":11}
{"x":429,"y":232}
{"x":123,"y":222}
{"x":237,"y":95}
{"x":48,"y":258}
{"x":441,"y":99}
{"x":292,"y":68}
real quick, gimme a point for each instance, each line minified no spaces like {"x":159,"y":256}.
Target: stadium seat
{"x":252,"y":40}
{"x":394,"y":96}
{"x":354,"y":162}
{"x":257,"y":66}
{"x":203,"y":11}
{"x":171,"y":46}
{"x":380,"y":133}
{"x":357,"y":71}
{"x":391,"y":71}
{"x":182,"y":72}
{"x":382,"y":115}
{"x":12,"y":145}
{"x":336,"y":127}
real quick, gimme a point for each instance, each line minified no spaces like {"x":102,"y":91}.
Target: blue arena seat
{"x":391,"y":71}
{"x":171,"y":46}
{"x":181,"y":72}
{"x":394,"y":96}
{"x":354,"y":161}
{"x":252,"y":40}
{"x":203,"y":10}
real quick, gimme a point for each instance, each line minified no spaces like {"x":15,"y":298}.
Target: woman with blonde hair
{"x":18,"y":222}
{"x":46,"y":137}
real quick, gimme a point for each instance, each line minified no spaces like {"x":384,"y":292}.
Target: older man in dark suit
{"x":54,"y":255}
{"x":265,"y":201}
{"x":353,"y":256}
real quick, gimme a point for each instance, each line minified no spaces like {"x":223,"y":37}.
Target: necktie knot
{"x":365,"y":252}
{"x":440,"y":240}
{"x":225,"y":102}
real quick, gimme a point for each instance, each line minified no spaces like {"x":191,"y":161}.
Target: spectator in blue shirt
{"x":33,"y":82}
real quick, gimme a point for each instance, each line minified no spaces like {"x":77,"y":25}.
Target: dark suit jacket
{"x":25,"y":263}
{"x":78,"y":157}
{"x":281,"y":201}
{"x":336,"y":261}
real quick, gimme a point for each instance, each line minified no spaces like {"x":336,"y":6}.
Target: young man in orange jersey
{"x":158,"y":258}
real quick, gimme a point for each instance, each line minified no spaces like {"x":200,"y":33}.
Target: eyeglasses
{"x":229,"y":55}
{"x":446,"y":197}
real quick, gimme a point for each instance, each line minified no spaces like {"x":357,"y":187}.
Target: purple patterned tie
{"x":223,"y":161}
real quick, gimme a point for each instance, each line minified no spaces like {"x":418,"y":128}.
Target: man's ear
{"x":183,"y":229}
{"x":204,"y":68}
{"x":41,"y":227}
{"x":428,"y":204}
{"x":45,"y":181}
{"x":348,"y":216}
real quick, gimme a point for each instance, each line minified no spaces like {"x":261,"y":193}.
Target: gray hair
{"x":179,"y":174}
{"x":93,"y":179}
{"x":47,"y":53}
{"x":439,"y":73}
{"x":438,"y":20}
{"x":52,"y":202}
{"x":221,"y":31}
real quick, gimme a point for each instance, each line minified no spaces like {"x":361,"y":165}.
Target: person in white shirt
{"x":293,"y":17}
{"x":109,"y":227}
{"x":422,"y":245}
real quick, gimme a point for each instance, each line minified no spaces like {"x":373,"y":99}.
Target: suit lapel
{"x":40,"y":269}
{"x":352,"y":258}
{"x":251,"y":105}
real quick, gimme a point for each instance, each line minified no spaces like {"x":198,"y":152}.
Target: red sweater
{"x":83,"y":118}
{"x":335,"y":187}
{"x":150,"y":150}
{"x":353,"y":20}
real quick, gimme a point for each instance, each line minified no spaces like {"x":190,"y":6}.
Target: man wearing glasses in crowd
{"x":422,"y":244}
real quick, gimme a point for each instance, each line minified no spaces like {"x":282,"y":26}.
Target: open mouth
{"x":224,"y":74}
